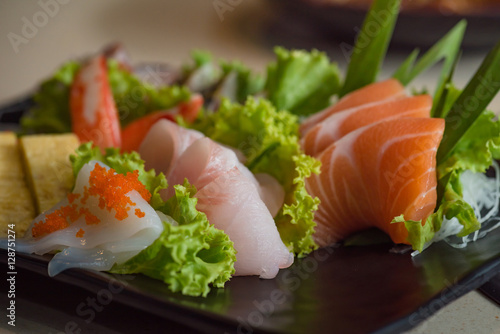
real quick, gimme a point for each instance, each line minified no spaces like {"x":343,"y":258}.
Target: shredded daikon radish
{"x":483,"y":194}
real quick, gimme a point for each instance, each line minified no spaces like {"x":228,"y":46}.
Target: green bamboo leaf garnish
{"x":471,"y":103}
{"x":447,"y":48}
{"x":371,"y":45}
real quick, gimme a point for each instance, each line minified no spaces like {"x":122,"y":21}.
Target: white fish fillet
{"x":228,"y":193}
{"x":232,"y":204}
{"x":164,"y":143}
{"x":163,"y":149}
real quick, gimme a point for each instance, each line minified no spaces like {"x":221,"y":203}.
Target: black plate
{"x":356,"y":289}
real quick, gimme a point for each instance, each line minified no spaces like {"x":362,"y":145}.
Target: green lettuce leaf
{"x":123,"y":164}
{"x":477,"y":148}
{"x":301,"y":82}
{"x":133,"y":99}
{"x":269,"y":140}
{"x":202,"y":74}
{"x":452,"y":205}
{"x":188,"y":257}
{"x":247,"y":83}
{"x":51,"y":113}
{"x":199,"y":58}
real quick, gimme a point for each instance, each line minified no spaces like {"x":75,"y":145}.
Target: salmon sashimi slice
{"x":375,"y":92}
{"x":341,"y":123}
{"x":374,"y":174}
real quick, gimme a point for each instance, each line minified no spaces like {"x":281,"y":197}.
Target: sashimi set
{"x":214,"y":171}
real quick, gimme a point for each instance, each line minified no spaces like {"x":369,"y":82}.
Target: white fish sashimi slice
{"x":205,"y":160}
{"x":116,"y":240}
{"x":232,"y":204}
{"x":271,"y":192}
{"x":164,"y":150}
{"x":164,"y":143}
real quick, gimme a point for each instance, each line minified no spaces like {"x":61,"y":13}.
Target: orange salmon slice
{"x":337,"y":125}
{"x":374,"y":174}
{"x":375,"y":92}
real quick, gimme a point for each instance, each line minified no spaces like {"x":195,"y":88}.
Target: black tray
{"x":356,"y":289}
{"x":349,"y":289}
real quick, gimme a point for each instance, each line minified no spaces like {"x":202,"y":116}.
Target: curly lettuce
{"x":190,"y":255}
{"x":301,"y":82}
{"x":477,"y":148}
{"x":452,"y":206}
{"x":247,"y":83}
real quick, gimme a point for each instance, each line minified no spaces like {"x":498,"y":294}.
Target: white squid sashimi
{"x":168,"y":145}
{"x":103,"y":244}
{"x":232,"y":204}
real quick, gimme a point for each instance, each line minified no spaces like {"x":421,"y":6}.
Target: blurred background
{"x":38,"y":36}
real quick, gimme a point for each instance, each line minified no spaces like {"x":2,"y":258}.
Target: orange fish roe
{"x":139,"y":213}
{"x":90,"y":218}
{"x":72,"y":197}
{"x":53,"y":222}
{"x":80,"y":233}
{"x":70,"y":212}
{"x":112,"y":189}
{"x":85,"y":195}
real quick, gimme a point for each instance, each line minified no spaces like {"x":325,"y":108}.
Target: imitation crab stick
{"x":94,"y":116}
